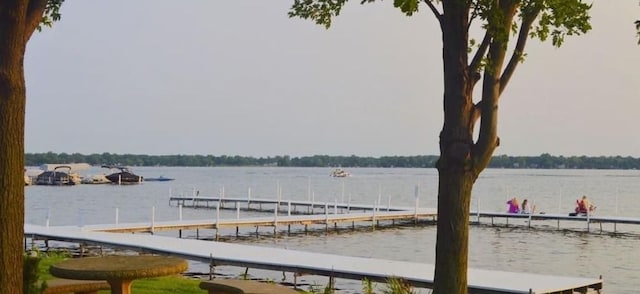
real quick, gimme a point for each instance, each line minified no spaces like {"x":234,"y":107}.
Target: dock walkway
{"x":274,"y":221}
{"x":335,"y":208}
{"x":263,"y":204}
{"x":477,"y":216}
{"x":299,"y":262}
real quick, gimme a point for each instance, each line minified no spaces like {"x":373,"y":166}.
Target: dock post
{"x":335,"y":206}
{"x":117,"y":216}
{"x":289,"y":208}
{"x":275,"y":221}
{"x":237,"y":211}
{"x":373,"y":218}
{"x":416,"y":192}
{"x":326,"y":217}
{"x":212,"y":267}
{"x":379,"y":197}
{"x":153,"y":218}
{"x":217,"y":219}
{"x":180,"y":212}
{"x":248,"y":198}
{"x":48,"y":215}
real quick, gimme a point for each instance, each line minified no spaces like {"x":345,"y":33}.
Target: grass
{"x":180,"y":284}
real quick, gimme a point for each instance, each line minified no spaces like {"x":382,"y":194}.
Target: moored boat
{"x":123,"y":176}
{"x":96,"y":179}
{"x":339,"y":173}
{"x":61,"y":175}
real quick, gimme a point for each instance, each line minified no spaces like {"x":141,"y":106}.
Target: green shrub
{"x":367,"y":286}
{"x":397,"y":285}
{"x":31,"y":275}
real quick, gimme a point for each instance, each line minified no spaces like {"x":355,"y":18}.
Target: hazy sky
{"x":241,"y":78}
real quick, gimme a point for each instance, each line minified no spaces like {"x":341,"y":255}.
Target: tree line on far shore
{"x":543,"y":161}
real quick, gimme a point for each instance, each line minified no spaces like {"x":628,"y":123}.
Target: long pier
{"x":263,"y":204}
{"x":288,"y":220}
{"x":531,"y":219}
{"x":304,"y":214}
{"x":334,"y":266}
{"x":315,"y":208}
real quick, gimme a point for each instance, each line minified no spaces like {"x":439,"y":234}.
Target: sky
{"x":164,"y":77}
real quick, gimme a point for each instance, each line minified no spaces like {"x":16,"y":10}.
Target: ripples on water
{"x":518,"y":249}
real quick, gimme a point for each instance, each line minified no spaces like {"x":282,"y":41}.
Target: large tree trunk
{"x":12,"y":115}
{"x":461,"y":160}
{"x":452,"y":243}
{"x":13,"y":40}
{"x":455,"y":165}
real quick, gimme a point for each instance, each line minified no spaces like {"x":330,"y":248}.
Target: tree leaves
{"x":320,"y":11}
{"x":561,"y":18}
{"x":408,"y":7}
{"x":51,"y":14}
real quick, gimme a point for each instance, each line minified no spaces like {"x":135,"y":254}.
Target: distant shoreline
{"x":543,"y":161}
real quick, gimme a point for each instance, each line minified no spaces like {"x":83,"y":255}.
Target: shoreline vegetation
{"x":543,"y":161}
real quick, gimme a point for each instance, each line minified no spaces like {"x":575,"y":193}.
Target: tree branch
{"x":434,"y":10}
{"x":523,"y":35}
{"x":35,"y":9}
{"x":482,"y":50}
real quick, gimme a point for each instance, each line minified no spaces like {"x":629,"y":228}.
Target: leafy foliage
{"x":559,"y":18}
{"x":320,"y":11}
{"x":367,"y":286}
{"x":397,"y":285}
{"x":51,"y":13}
{"x":31,"y":275}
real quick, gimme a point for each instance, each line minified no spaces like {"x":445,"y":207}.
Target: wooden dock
{"x":293,"y":206}
{"x":333,"y":266}
{"x":283,"y":215}
{"x":479,"y":217}
{"x":322,"y":208}
{"x":326,"y":220}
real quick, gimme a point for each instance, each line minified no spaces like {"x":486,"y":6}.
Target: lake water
{"x":518,"y":249}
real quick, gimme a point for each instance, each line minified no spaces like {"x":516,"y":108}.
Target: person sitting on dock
{"x":513,"y":205}
{"x":584,"y":206}
{"x":526,"y":209}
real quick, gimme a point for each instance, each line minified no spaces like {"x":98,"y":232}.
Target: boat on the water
{"x":27,"y":178}
{"x":339,"y":173}
{"x":61,"y":175}
{"x":123,"y":175}
{"x":96,"y":179}
{"x":158,"y":179}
